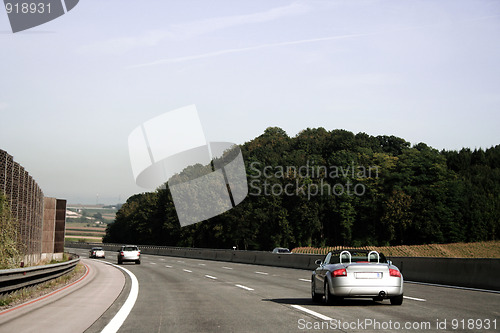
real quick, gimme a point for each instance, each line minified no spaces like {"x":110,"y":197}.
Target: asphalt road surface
{"x":190,"y":295}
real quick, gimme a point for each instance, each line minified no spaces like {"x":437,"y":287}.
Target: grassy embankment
{"x":454,"y":250}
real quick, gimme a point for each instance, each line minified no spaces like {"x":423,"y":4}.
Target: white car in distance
{"x":97,"y":252}
{"x":129,"y":253}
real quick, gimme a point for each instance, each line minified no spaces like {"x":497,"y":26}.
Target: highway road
{"x":191,"y":295}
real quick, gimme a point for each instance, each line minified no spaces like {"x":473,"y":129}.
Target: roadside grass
{"x":20,"y":296}
{"x":66,"y":257}
{"x":78,"y":239}
{"x":489,"y":249}
{"x":85,"y":234}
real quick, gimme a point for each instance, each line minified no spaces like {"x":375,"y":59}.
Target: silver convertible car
{"x":356,"y":273}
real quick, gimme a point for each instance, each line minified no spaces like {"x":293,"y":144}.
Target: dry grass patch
{"x":454,"y":250}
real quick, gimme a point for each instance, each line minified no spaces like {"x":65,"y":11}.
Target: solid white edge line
{"x":243,"y":287}
{"x":415,"y":299}
{"x":454,"y":287}
{"x":114,"y":325}
{"x":211,"y":277}
{"x":311,"y":312}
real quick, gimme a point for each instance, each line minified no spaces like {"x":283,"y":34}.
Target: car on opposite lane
{"x":129,"y":253}
{"x":356,"y":274}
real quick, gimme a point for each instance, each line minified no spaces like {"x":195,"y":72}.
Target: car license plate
{"x":374,"y":275}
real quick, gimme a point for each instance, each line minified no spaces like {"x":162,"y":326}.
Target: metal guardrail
{"x":17,"y":278}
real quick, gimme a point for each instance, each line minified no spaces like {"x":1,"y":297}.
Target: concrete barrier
{"x":471,"y":273}
{"x":462,"y":272}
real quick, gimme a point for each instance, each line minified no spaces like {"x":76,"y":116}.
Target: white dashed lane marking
{"x":244,"y":287}
{"x":305,"y":280}
{"x":226,"y":267}
{"x":168,"y":266}
{"x":187,"y":270}
{"x":262,"y":273}
{"x":415,"y":299}
{"x":311,"y":312}
{"x":211,"y":277}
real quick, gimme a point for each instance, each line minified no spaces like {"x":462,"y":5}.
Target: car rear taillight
{"x":339,"y":272}
{"x":139,"y":252}
{"x":394,"y":272}
{"x":121,"y":253}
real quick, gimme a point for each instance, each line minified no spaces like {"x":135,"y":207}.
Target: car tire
{"x":397,"y":300}
{"x":329,"y":298}
{"x":315,"y":297}
{"x":138,"y":262}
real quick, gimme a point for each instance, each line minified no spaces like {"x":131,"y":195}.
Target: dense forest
{"x":328,"y":188}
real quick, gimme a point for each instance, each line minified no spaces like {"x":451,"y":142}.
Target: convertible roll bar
{"x":378,"y":256}
{"x":348,"y":253}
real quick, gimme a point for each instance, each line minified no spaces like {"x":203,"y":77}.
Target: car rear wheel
{"x":315,"y":297}
{"x":329,"y":298}
{"x":397,"y":300}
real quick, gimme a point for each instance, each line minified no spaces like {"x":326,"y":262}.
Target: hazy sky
{"x":72,"y":90}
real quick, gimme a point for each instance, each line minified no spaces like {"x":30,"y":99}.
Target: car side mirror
{"x":389,"y":262}
{"x":318,"y":262}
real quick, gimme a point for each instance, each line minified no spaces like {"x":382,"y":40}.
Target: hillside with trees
{"x":330,"y":188}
